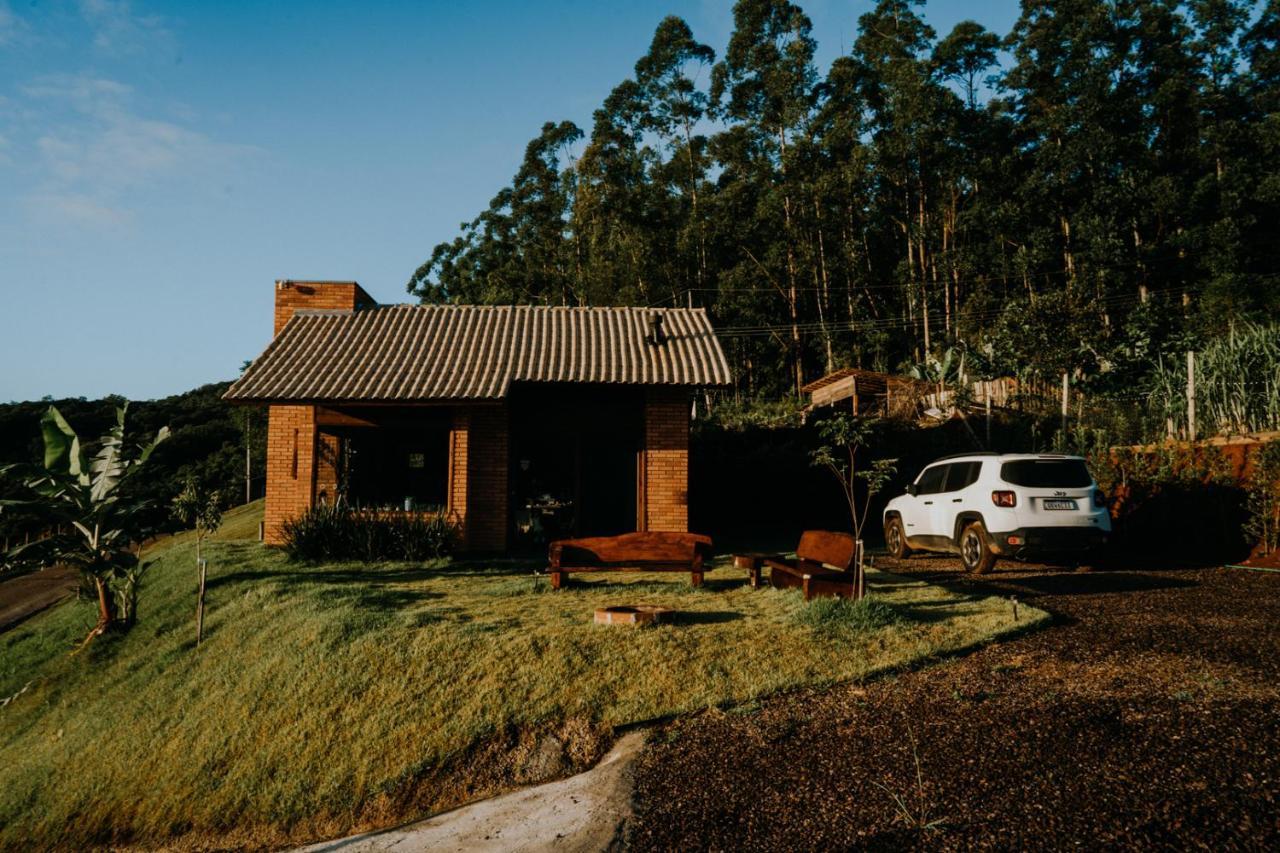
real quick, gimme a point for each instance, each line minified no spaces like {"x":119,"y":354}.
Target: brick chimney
{"x":327,"y":295}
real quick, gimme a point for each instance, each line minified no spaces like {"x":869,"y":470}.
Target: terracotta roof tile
{"x":436,"y":352}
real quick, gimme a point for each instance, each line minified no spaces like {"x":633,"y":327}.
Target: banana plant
{"x":78,"y":492}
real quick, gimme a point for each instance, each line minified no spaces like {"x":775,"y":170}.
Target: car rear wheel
{"x":975,"y":550}
{"x":895,"y":539}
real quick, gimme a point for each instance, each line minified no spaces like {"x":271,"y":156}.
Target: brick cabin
{"x":519,"y":422}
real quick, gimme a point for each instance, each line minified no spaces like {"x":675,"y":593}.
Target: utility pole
{"x":1191,"y":395}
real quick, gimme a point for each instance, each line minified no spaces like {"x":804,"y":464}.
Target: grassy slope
{"x":328,"y":698}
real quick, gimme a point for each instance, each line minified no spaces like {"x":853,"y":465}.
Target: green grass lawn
{"x":334,"y":698}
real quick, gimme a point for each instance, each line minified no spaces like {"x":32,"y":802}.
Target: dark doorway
{"x":574,"y":455}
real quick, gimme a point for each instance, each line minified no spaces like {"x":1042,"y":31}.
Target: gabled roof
{"x":407,"y":353}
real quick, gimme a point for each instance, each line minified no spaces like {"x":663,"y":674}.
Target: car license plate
{"x":1059,"y":504}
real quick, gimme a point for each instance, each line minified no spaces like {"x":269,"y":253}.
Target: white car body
{"x":1026,"y":504}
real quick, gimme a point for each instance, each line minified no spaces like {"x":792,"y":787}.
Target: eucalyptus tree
{"x":1261,"y":47}
{"x":1227,"y":176}
{"x":1162,"y":180}
{"x":904,"y":107}
{"x":519,"y":249}
{"x":766,"y":85}
{"x":965,"y":56}
{"x":843,"y":194}
{"x":613,"y":215}
{"x":674,"y":104}
{"x":1077,"y":99}
{"x":79,"y":492}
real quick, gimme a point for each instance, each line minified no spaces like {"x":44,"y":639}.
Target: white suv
{"x":988,"y":505}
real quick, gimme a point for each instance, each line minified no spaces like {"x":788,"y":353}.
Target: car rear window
{"x":1046,"y":473}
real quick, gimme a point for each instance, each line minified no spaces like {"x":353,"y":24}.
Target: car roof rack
{"x":962,"y":455}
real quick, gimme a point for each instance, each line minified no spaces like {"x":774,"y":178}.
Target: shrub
{"x":842,"y":618}
{"x":1263,"y":502}
{"x":336,"y":532}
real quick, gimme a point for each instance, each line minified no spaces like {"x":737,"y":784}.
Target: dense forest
{"x":1092,"y":193}
{"x":207,"y":444}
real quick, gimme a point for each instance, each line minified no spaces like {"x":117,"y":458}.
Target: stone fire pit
{"x":632,"y":614}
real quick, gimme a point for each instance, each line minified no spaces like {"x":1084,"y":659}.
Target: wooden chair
{"x":630,"y":552}
{"x":826,"y":564}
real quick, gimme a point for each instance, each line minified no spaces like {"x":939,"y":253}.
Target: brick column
{"x":488,"y":463}
{"x":291,"y":453}
{"x":459,"y":446}
{"x":666,"y":460}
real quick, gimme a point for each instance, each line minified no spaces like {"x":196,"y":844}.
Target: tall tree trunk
{"x":693,"y":198}
{"x":793,"y":293}
{"x":824,"y":301}
{"x":924,"y":268}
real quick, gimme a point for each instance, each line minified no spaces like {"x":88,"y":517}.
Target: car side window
{"x":933,"y":480}
{"x":962,"y":475}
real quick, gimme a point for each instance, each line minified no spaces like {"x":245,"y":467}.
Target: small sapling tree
{"x":200,"y":509}
{"x":1263,"y":505}
{"x":843,"y":439}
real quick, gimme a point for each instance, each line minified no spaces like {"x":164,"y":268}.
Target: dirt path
{"x":27,"y":595}
{"x":583,"y":812}
{"x":1148,"y":715}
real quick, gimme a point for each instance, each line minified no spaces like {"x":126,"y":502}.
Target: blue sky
{"x":161,"y":164}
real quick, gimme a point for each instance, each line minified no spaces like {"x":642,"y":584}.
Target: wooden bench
{"x":630,"y":552}
{"x":826,"y":564}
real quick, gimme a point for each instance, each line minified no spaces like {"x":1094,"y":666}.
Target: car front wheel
{"x":895,"y":539}
{"x":975,"y":550}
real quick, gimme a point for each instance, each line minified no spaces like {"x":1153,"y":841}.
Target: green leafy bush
{"x":337,"y":532}
{"x":842,"y":618}
{"x":1263,"y":503}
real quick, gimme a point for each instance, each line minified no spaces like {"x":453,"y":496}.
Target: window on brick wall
{"x":394,"y":468}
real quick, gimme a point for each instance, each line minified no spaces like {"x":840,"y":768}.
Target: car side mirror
{"x":912,"y":490}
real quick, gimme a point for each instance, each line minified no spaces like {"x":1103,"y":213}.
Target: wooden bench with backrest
{"x":630,"y":552}
{"x":826,"y":564}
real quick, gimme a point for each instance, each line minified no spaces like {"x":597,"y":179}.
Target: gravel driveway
{"x":1147,"y":715}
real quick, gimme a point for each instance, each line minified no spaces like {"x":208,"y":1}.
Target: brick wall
{"x":488,"y":464}
{"x":291,"y":451}
{"x":666,"y":460}
{"x":324,"y":295}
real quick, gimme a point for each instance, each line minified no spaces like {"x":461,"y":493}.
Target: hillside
{"x":321,"y":703}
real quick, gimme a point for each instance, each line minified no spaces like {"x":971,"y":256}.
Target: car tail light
{"x":1004,"y":498}
{"x":1099,"y":499}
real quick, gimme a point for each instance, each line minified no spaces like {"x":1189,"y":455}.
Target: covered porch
{"x":550,"y":460}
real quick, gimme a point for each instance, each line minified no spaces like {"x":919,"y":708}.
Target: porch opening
{"x":575,"y":456}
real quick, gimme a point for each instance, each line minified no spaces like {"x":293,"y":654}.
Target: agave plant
{"x":78,"y":492}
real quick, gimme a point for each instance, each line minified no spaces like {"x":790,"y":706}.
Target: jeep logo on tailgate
{"x":1059,"y":494}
